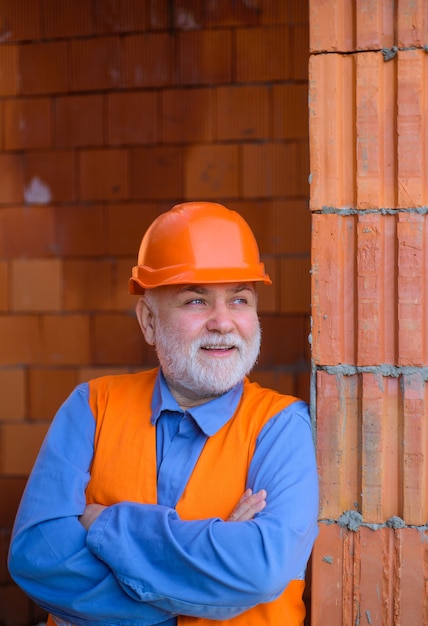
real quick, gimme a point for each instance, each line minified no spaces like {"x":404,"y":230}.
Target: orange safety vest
{"x":124,"y":469}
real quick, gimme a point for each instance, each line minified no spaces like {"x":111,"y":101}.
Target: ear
{"x":146,"y":319}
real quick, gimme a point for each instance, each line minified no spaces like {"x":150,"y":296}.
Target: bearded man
{"x":183,"y":495}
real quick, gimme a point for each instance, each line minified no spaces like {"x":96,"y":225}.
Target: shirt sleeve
{"x":217,"y":569}
{"x":48,"y":556}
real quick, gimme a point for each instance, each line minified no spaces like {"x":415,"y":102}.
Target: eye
{"x":194,"y":301}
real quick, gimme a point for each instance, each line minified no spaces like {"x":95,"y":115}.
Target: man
{"x":186,"y":494}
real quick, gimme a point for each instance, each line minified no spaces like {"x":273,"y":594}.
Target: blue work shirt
{"x":173,"y":566}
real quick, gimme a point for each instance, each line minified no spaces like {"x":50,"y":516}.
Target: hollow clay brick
{"x":36,"y":285}
{"x":19,"y":340}
{"x":187,"y":115}
{"x":79,"y":121}
{"x":66,"y":339}
{"x":104,"y":174}
{"x":243,"y":113}
{"x":87,"y":284}
{"x":370,"y":575}
{"x":151,"y":167}
{"x":27,"y":123}
{"x":9,"y":74}
{"x":147,"y":60}
{"x":131,"y":118}
{"x":211,"y":171}
{"x":263,"y":54}
{"x":19,"y":446}
{"x":44,"y":68}
{"x":79,"y":230}
{"x":20,"y":20}
{"x":49,"y":177}
{"x":66,"y":19}
{"x":204,"y":57}
{"x":4,"y":283}
{"x":95,"y":63}
{"x":11,"y":178}
{"x":47,"y":390}
{"x":13,"y":393}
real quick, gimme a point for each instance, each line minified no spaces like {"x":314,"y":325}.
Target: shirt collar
{"x":210,"y":416}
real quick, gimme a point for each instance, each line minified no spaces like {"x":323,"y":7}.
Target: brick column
{"x":368,"y":92}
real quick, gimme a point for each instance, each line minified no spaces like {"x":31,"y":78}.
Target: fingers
{"x":248,"y":505}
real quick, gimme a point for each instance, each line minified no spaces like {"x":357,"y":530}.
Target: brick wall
{"x":111,"y":111}
{"x":369,"y":197}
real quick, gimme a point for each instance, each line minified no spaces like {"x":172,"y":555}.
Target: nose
{"x":220,"y":319}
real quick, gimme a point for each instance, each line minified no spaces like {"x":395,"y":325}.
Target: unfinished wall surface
{"x":112,"y":111}
{"x":368,"y":90}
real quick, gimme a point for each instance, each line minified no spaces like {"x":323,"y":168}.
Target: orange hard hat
{"x":194,"y":243}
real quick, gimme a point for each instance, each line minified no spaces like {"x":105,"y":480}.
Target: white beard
{"x":187,"y":367}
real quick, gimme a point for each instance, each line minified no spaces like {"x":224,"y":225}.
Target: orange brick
{"x":79,"y":230}
{"x":79,"y":121}
{"x":411,"y":23}
{"x":412,"y":128}
{"x":4,"y":285}
{"x":27,"y":123}
{"x":290,"y":111}
{"x":327,"y":596}
{"x":125,"y":227}
{"x":243,"y":113}
{"x":187,"y":115}
{"x":20,"y":20}
{"x":95,"y":63}
{"x":132,"y":118}
{"x":11,"y":178}
{"x":104,"y":174}
{"x":48,"y":388}
{"x":9,"y":74}
{"x":296,"y":285}
{"x":49,"y":177}
{"x":66,"y":339}
{"x":11,"y":489}
{"x":13,"y":393}
{"x":263,"y":54}
{"x":280,"y":226}
{"x":36,"y":285}
{"x":118,"y":341}
{"x":66,"y":19}
{"x":283,"y":383}
{"x":211,"y":171}
{"x":19,"y":445}
{"x":283,"y":340}
{"x":331,"y":26}
{"x":19,"y":339}
{"x":333,"y":289}
{"x":130,"y":15}
{"x":205,"y":57}
{"x":44,"y":68}
{"x":88,"y":373}
{"x":147,"y":60}
{"x":376,"y":284}
{"x":87,"y":284}
{"x":331,"y":137}
{"x":414,"y":471}
{"x":412,"y":234}
{"x":157,"y":173}
{"x":300,"y":54}
{"x":220,"y":13}
{"x":27,"y":231}
{"x":275,"y":169}
{"x":337,"y":444}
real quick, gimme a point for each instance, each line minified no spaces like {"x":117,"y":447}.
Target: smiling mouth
{"x":218,"y":348}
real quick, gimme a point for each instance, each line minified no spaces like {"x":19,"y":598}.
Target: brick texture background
{"x":369,"y":197}
{"x":112,"y":111}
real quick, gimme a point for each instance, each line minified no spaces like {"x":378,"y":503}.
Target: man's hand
{"x":90,"y":514}
{"x":248,"y":506}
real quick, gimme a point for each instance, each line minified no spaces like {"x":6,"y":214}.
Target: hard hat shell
{"x":194,"y":243}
